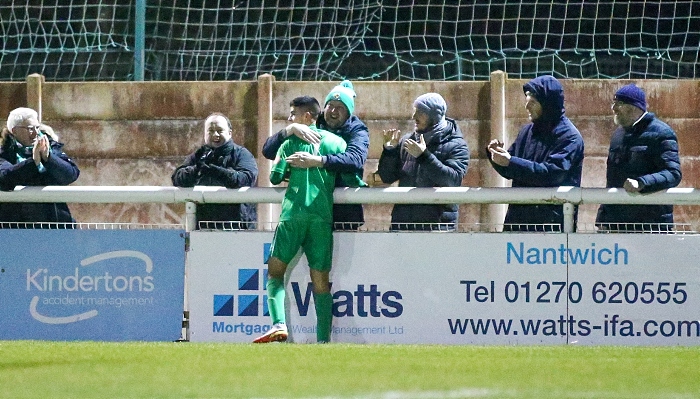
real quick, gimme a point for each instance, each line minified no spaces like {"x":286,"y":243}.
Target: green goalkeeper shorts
{"x":314,"y":237}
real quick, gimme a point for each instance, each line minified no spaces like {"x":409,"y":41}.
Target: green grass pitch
{"x":40,"y":369}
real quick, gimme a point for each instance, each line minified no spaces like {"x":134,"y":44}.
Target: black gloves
{"x":203,"y":163}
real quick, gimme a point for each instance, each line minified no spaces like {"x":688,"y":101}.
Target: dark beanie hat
{"x":633,"y":95}
{"x":433,"y":105}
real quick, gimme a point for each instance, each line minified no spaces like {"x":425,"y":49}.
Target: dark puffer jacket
{"x":443,"y":164}
{"x":547,"y":153}
{"x":356,"y":136}
{"x":647,"y":152}
{"x":60,"y":170}
{"x":229,"y":165}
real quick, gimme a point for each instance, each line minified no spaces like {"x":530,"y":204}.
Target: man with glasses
{"x":30,"y":155}
{"x":643,"y":158}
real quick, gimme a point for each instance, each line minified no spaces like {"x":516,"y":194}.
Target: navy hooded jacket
{"x":547,"y":152}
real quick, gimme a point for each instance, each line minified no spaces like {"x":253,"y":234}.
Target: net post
{"x":139,"y":40}
{"x":35,"y":84}
{"x":494,"y":214}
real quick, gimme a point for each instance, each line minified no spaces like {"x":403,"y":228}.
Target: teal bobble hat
{"x":344,"y":93}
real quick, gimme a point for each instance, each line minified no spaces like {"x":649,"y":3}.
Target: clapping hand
{"x":495,"y":143}
{"x":391,"y":138}
{"x":499,"y":155}
{"x":415,"y":148}
{"x":41,"y":150}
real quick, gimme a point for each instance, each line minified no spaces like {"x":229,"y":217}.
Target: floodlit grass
{"x":39,"y":369}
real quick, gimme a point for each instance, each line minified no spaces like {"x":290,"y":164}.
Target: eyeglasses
{"x":617,"y":103}
{"x":30,"y":127}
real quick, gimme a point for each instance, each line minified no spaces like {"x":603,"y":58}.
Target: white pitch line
{"x":466,"y":393}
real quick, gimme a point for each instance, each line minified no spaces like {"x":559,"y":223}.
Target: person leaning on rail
{"x":338,"y":118}
{"x":548,"y":152}
{"x":643,"y":158}
{"x":306,"y":221}
{"x":434,"y":155}
{"x":220,"y":162}
{"x":30,"y":155}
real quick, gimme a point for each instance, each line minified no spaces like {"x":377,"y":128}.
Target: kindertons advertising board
{"x":102,"y":285}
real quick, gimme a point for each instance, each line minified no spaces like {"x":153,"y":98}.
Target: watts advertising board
{"x":460,"y":288}
{"x":104,"y":285}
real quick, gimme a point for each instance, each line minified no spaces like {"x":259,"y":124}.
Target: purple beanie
{"x":632,"y":95}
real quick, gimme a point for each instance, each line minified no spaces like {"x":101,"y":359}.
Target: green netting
{"x":66,"y":40}
{"x":85,"y":40}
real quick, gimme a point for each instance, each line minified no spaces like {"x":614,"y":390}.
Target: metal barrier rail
{"x":568,"y":196}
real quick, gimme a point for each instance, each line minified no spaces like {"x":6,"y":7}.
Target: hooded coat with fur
{"x":17,"y":168}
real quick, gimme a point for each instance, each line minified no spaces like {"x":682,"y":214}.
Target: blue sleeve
{"x":272,"y":144}
{"x":355,"y":155}
{"x":18,"y":174}
{"x":61,"y":170}
{"x":562,"y":156}
{"x":554,"y":170}
{"x":668,"y":163}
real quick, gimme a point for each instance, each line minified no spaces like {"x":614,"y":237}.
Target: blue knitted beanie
{"x":633,"y":95}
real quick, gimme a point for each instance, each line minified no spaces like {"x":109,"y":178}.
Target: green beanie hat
{"x":344,"y":93}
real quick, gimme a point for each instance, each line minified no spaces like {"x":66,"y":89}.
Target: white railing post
{"x":568,"y":217}
{"x":190,"y":216}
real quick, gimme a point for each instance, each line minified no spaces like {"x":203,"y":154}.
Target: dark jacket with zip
{"x":648,"y":152}
{"x":443,"y":164}
{"x":229,"y":165}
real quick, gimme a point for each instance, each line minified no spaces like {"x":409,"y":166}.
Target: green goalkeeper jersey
{"x":310,"y":191}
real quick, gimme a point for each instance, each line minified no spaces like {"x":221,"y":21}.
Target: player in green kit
{"x":305,"y":222}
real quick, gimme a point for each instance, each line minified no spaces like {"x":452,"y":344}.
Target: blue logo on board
{"x":251,"y":298}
